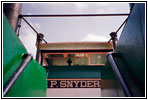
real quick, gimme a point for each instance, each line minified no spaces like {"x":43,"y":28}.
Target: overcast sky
{"x":73,"y":28}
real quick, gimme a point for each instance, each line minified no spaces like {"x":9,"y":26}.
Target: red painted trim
{"x":89,"y":63}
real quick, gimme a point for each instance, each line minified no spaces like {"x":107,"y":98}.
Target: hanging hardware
{"x":39,"y":39}
{"x":113,"y":35}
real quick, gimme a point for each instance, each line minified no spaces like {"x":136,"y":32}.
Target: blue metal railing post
{"x":118,"y":74}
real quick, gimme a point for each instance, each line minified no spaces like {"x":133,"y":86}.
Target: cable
{"x":33,"y":29}
{"x":75,"y":15}
{"x":122,"y":24}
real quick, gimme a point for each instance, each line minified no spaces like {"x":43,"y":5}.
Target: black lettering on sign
{"x":74,"y":83}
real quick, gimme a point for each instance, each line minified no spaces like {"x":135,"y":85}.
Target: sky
{"x":73,"y":29}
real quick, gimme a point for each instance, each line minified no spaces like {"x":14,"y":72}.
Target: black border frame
{"x":83,"y":97}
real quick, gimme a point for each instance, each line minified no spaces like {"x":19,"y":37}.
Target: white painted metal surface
{"x":73,"y":92}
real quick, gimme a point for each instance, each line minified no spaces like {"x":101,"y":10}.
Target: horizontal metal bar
{"x":75,"y":15}
{"x":30,"y":25}
{"x":33,"y":29}
{"x":26,"y":59}
{"x":118,"y":74}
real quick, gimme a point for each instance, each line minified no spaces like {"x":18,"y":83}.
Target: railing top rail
{"x":74,"y":15}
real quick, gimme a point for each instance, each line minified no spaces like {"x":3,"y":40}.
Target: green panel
{"x":12,"y":51}
{"x":110,"y":86}
{"x":32,"y":81}
{"x":131,"y":50}
{"x":35,"y":82}
{"x":74,"y":71}
{"x":131,"y":57}
{"x":17,"y":89}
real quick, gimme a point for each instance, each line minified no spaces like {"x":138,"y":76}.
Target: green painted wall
{"x":110,"y":86}
{"x":33,"y":80}
{"x":74,"y":71}
{"x":131,"y":56}
{"x":131,"y":48}
{"x":12,"y":51}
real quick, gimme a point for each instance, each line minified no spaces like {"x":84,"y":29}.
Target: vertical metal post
{"x":118,"y":74}
{"x":39,"y":39}
{"x":113,"y":38}
{"x":41,"y":58}
{"x":114,"y":43}
{"x":69,"y":62}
